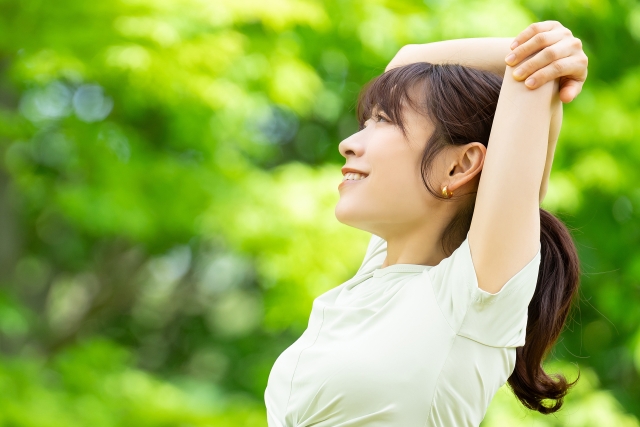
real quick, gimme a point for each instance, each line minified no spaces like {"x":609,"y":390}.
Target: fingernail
{"x":519,"y":72}
{"x":514,"y":45}
{"x":510,"y":58}
{"x":530,"y":81}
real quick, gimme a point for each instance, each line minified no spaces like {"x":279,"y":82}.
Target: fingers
{"x":544,"y":58}
{"x":561,"y":67}
{"x":570,"y":90}
{"x":533,"y":45}
{"x":551,"y":52}
{"x":532,"y":30}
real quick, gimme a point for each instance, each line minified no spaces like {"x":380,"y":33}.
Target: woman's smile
{"x":351,"y":178}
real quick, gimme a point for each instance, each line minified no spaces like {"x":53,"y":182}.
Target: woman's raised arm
{"x":485,"y":53}
{"x":505,"y":230}
{"x":559,"y":55}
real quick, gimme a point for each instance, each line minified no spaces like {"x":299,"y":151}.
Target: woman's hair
{"x":461,"y":103}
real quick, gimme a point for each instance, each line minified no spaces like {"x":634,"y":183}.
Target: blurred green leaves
{"x":93,"y":384}
{"x":168,"y":178}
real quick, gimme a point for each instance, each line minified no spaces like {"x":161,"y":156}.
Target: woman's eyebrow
{"x":377,"y":109}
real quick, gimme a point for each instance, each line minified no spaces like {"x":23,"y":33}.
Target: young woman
{"x":456,"y":294}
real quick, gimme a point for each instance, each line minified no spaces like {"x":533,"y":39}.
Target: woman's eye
{"x":376,"y":117}
{"x":381,"y":117}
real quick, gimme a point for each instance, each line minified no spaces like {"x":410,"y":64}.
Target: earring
{"x":446,"y":193}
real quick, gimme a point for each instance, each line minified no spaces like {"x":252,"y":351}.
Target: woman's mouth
{"x":354,"y":176}
{"x":350,"y":178}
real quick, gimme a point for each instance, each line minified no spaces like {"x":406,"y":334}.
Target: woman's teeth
{"x":354,"y":176}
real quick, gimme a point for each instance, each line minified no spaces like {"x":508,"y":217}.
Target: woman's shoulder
{"x":495,"y":319}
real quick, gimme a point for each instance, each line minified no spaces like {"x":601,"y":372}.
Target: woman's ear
{"x":467,"y":165}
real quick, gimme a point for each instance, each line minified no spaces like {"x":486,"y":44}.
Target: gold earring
{"x":446,"y":193}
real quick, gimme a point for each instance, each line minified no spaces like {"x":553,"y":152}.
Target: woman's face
{"x":392,"y":198}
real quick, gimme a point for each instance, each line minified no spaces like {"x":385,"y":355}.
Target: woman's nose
{"x":351,"y":145}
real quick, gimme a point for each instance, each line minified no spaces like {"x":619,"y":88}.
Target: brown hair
{"x":461,"y":103}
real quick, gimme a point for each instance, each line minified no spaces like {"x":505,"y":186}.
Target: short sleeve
{"x":497,"y":320}
{"x":374,"y":256}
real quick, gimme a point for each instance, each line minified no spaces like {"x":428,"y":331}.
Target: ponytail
{"x":558,"y":280}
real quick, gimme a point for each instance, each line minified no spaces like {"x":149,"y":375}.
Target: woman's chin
{"x":343,"y":214}
{"x":339,"y":213}
{"x":348,"y":214}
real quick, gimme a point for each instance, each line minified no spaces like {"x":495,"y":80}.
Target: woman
{"x":456,"y":294}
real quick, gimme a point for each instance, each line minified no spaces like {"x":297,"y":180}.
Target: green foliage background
{"x":168,"y":176}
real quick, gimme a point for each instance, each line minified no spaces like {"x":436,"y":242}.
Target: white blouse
{"x":406,"y":345}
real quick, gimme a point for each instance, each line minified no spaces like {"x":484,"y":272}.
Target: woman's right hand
{"x":556,"y":54}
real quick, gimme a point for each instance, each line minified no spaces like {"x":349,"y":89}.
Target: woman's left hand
{"x":559,"y":55}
